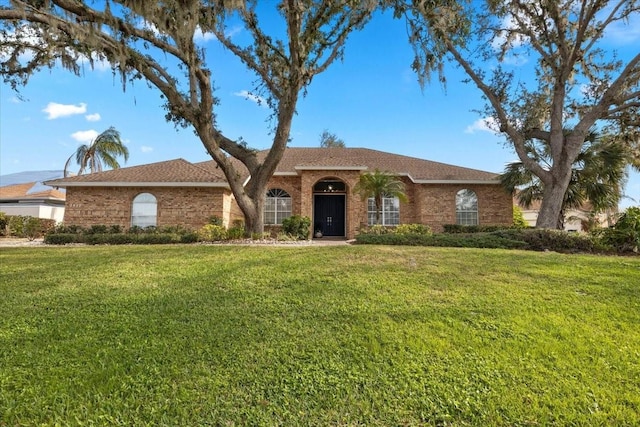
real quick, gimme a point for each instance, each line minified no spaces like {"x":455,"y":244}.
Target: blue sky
{"x":370,"y":99}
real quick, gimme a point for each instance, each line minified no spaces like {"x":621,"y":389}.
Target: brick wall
{"x":188,"y":207}
{"x":436,"y":204}
{"x":429,"y":204}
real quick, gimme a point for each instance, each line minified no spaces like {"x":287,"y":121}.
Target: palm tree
{"x":598,"y":176}
{"x":106,"y":148}
{"x":377,"y":185}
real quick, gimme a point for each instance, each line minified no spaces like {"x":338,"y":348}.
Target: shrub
{"x":518,"y":218}
{"x":3,"y":224}
{"x":215,"y":220}
{"x":235,"y":233}
{"x":189,"y":237}
{"x":297,"y":226}
{"x":212,"y":233}
{"x":62,"y":238}
{"x":97,"y":229}
{"x":457,"y":228}
{"x":413,"y":229}
{"x":28,"y":226}
{"x":624,"y":236}
{"x":67,"y":229}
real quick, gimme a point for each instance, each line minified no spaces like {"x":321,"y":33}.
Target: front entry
{"x":328,"y":214}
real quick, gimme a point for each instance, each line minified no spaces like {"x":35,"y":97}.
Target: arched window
{"x":144,"y":210}
{"x":277,"y":206}
{"x":466,"y":207}
{"x":389,"y":213}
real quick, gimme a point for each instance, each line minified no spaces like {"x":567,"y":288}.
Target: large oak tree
{"x":577,"y":80}
{"x":141,"y":38}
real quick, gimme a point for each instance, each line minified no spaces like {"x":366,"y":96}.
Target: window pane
{"x":466,"y":207}
{"x":277,"y":206}
{"x":144,"y":210}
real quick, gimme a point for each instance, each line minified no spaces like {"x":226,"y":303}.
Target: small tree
{"x":106,"y":148}
{"x":377,"y":185}
{"x":330,"y":140}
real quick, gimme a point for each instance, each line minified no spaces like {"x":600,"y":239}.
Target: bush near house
{"x":491,"y":237}
{"x":25,"y":226}
{"x":297,"y":226}
{"x":624,"y":236}
{"x":113,"y":235}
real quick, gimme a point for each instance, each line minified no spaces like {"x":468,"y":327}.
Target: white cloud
{"x":55,"y":110}
{"x":200,"y":36}
{"x":146,"y":149}
{"x":487,"y":124}
{"x":15,"y":100}
{"x":251,"y":97}
{"x":84,"y":136}
{"x":93,"y":117}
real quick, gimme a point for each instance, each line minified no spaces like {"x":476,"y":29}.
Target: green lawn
{"x":342,"y":335}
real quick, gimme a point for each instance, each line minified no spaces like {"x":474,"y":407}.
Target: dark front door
{"x":328,"y":214}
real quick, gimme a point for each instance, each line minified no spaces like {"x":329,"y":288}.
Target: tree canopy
{"x":104,"y":149}
{"x":156,"y":42}
{"x":329,"y":140}
{"x":580,"y":82}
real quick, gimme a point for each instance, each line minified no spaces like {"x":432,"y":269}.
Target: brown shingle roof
{"x":22,"y":191}
{"x":293,"y":161}
{"x":418,"y":169}
{"x":171,"y":171}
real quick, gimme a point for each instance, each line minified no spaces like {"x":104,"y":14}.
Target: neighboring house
{"x":24,"y":193}
{"x":32,"y":199}
{"x":313,"y":182}
{"x":574,"y":219}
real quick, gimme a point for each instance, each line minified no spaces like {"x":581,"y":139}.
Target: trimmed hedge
{"x":528,"y":239}
{"x":119,"y":239}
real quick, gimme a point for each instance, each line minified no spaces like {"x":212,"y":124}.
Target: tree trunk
{"x":551,"y":208}
{"x":254,"y":223}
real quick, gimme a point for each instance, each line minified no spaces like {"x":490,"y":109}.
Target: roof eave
{"x":331,"y":168}
{"x":457,"y":181}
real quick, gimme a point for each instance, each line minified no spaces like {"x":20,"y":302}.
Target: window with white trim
{"x":144,"y":210}
{"x":466,"y":207}
{"x":277,"y":206}
{"x":390,"y":213}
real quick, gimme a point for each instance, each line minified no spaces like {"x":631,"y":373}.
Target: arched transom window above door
{"x":277,"y":206}
{"x":330,"y":186}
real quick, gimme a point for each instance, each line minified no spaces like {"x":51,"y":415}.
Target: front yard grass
{"x":340,"y":335}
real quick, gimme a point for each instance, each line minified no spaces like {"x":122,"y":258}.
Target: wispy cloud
{"x":146,"y":149}
{"x":487,"y":124}
{"x":15,"y":100}
{"x":252,"y":97}
{"x":201,"y":36}
{"x":85,"y":136}
{"x":95,"y":117}
{"x":55,"y":110}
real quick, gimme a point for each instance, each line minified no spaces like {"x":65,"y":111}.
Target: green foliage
{"x":212,"y":233}
{"x":297,"y":226}
{"x":336,"y":336}
{"x":105,"y":149}
{"x":518,"y":218}
{"x":457,"y":228}
{"x":28,"y":226}
{"x":62,"y":238}
{"x":624,"y":236}
{"x":412,"y":229}
{"x":529,"y":239}
{"x":3,"y":223}
{"x":236,"y":232}
{"x":215,"y":220}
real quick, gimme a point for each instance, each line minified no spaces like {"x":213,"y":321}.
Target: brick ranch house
{"x":313,"y":182}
